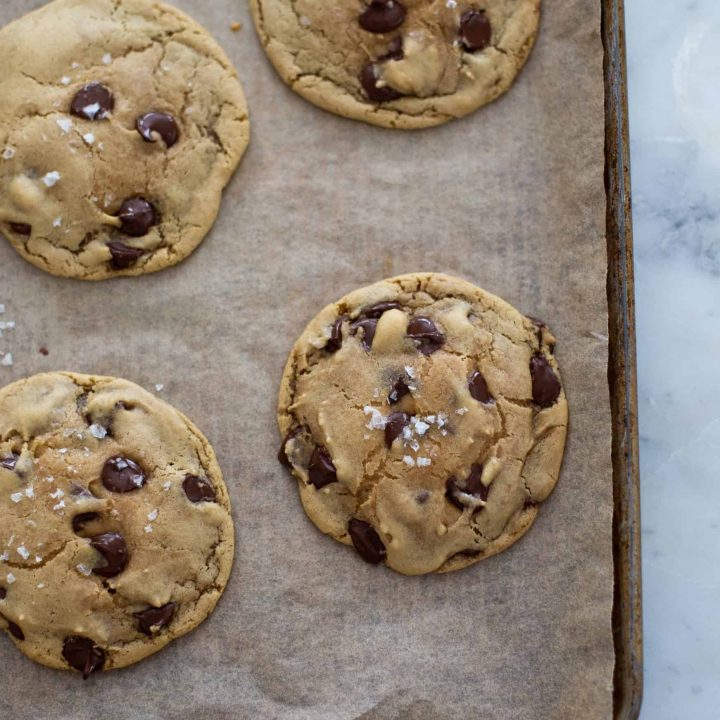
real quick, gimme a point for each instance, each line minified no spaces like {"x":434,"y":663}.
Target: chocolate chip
{"x":15,"y":631}
{"x":155,"y":618}
{"x":335,"y":341}
{"x":122,"y":256}
{"x":158,"y":125}
{"x":369,"y":77}
{"x":545,"y":384}
{"x":198,"y":489}
{"x":43,"y":351}
{"x":79,"y":521}
{"x":93,"y":102}
{"x":475,"y":30}
{"x":395,"y":50}
{"x":424,"y":332}
{"x":368,"y":325}
{"x":398,"y":392}
{"x":529,"y":502}
{"x":479,"y":389}
{"x":321,"y":470}
{"x":379,"y":309}
{"x":3,"y":593}
{"x":10,"y":461}
{"x":122,"y":475}
{"x":83,"y":654}
{"x":21,"y":228}
{"x":394,"y":425}
{"x":366,"y":541}
{"x":382,"y":16}
{"x":137,"y":216}
{"x":114,"y":551}
{"x":472,"y":485}
{"x":282,"y":453}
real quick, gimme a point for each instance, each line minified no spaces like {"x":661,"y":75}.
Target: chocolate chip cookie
{"x":398,"y":63}
{"x":425,"y":422}
{"x":116,"y":138}
{"x":115,"y":527}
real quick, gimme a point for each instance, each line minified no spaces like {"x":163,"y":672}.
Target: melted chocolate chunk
{"x":123,"y":256}
{"x":282,"y":453}
{"x":368,"y":79}
{"x":153,"y":619}
{"x":368,"y":325}
{"x":3,"y":593}
{"x":21,"y":228}
{"x":79,"y":521}
{"x":9,"y":462}
{"x":545,"y":384}
{"x":394,"y":425}
{"x":366,"y":541}
{"x":321,"y":470}
{"x":334,"y":343}
{"x":376,"y":311}
{"x":83,"y":654}
{"x":428,"y":339}
{"x":382,"y":16}
{"x":154,"y":126}
{"x":198,"y":489}
{"x":137,"y":216}
{"x":122,"y":475}
{"x":479,"y":389}
{"x":398,"y":392}
{"x":15,"y":631}
{"x":114,"y":551}
{"x":93,"y":102}
{"x":472,"y":485}
{"x":475,"y":30}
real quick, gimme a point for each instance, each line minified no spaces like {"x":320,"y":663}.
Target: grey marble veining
{"x":674,"y":68}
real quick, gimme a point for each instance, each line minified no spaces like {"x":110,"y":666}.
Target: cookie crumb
{"x":236,"y":26}
{"x":43,"y":350}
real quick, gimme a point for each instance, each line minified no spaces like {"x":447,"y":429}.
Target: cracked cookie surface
{"x":398,"y":63}
{"x":115,"y":528}
{"x":425,"y":422}
{"x":121,"y":123}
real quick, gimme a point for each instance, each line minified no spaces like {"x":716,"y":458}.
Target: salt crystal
{"x":89,"y":138}
{"x":461,"y":411}
{"x":40,"y":586}
{"x":84,"y":569}
{"x":75,"y":65}
{"x":10,"y":578}
{"x":7,"y":360}
{"x":408,"y":460}
{"x":51,"y":178}
{"x":5,"y":556}
{"x":23,"y":552}
{"x":441,"y":419}
{"x":59,"y":505}
{"x":57,"y":222}
{"x":421,"y":427}
{"x":65,"y":80}
{"x":62,"y":451}
{"x":2,"y":308}
{"x":415,"y":445}
{"x":377,"y":419}
{"x":57,"y":494}
{"x":451,"y":4}
{"x":65,"y":124}
{"x":49,"y":479}
{"x":29,"y":492}
{"x":305,"y":21}
{"x":38,"y":558}
{"x":107,"y":58}
{"x":90,"y":111}
{"x":167,"y":485}
{"x":8,"y":153}
{"x":97,"y":431}
{"x":159,"y":387}
{"x":423,"y":461}
{"x":153,"y":515}
{"x":410,"y":372}
{"x":17,"y":497}
{"x":148,"y":528}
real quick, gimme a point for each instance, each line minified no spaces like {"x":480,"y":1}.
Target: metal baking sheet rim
{"x":627,"y":607}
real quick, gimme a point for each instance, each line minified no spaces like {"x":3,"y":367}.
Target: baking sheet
{"x":511,"y":198}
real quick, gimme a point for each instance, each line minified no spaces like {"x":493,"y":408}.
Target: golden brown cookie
{"x":425,"y":422}
{"x":115,"y":527}
{"x":120,"y":125}
{"x":398,"y":63}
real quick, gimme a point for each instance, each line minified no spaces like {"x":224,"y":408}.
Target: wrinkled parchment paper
{"x":511,"y":198}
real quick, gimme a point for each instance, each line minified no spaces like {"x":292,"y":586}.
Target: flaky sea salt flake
{"x":17,"y":497}
{"x":148,"y":528}
{"x":409,"y":460}
{"x":167,"y":485}
{"x":107,"y":58}
{"x":65,"y":80}
{"x":65,"y":124}
{"x":423,"y":461}
{"x":23,"y":552}
{"x":83,"y":569}
{"x":97,"y":431}
{"x":51,"y":178}
{"x":7,"y":360}
{"x":153,"y":515}
{"x":10,"y":578}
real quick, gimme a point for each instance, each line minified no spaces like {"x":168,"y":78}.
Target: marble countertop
{"x":674,"y":72}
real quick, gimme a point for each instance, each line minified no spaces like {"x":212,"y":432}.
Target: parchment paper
{"x":511,"y":198}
